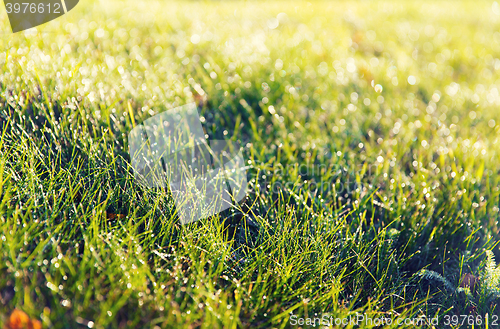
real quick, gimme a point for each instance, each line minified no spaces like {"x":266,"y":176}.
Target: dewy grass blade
{"x":369,"y":160}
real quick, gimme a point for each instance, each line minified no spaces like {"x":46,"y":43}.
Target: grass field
{"x":371,"y":134}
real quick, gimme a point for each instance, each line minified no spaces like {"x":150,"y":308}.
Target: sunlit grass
{"x":370,"y":130}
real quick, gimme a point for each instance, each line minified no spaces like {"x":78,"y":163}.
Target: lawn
{"x":370,"y":133}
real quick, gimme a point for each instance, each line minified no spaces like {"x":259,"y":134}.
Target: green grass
{"x":409,"y":176}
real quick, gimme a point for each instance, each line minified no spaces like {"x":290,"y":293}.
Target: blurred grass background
{"x":391,"y":105}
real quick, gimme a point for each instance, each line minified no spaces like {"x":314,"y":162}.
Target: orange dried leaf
{"x":20,"y":320}
{"x":110,"y":215}
{"x":35,"y":324}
